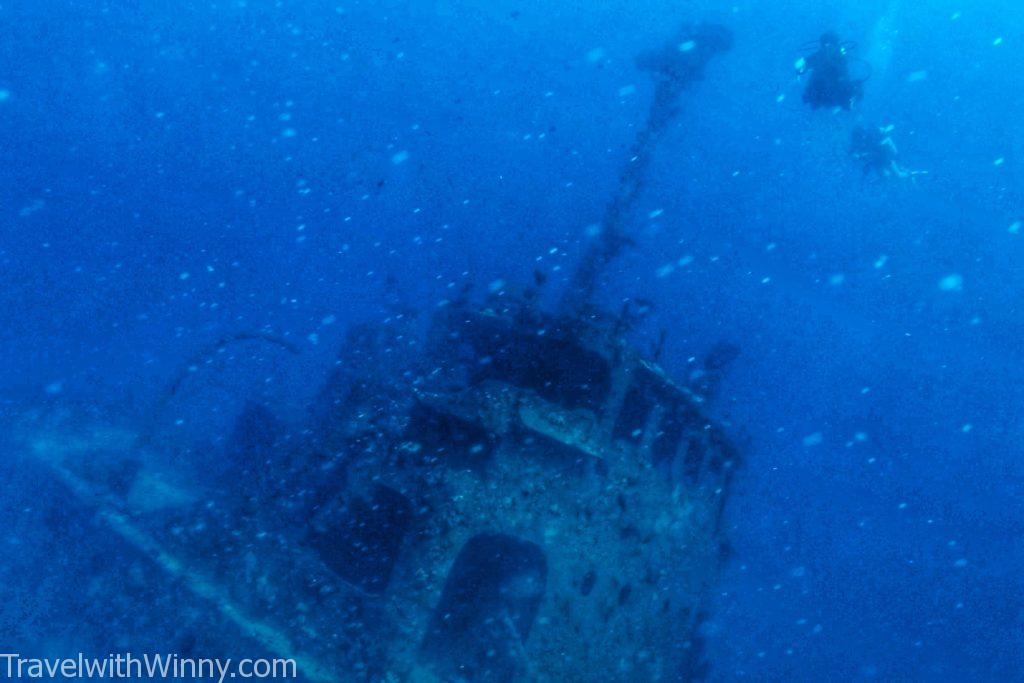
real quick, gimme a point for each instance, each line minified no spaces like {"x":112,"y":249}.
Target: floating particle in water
{"x":952,"y":283}
{"x":627,"y":90}
{"x":496,"y":286}
{"x":814,"y":439}
{"x":997,"y":42}
{"x":33,"y":206}
{"x":1015,"y":228}
{"x":967,"y":428}
{"x":54,"y":388}
{"x":329,"y":320}
{"x":313,"y":338}
{"x":881,"y":261}
{"x":184,"y":276}
{"x":960,"y":564}
{"x":837,"y":279}
{"x":5,"y":94}
{"x":687,"y":46}
{"x":655,"y":213}
{"x":917,"y":76}
{"x":595,"y":55}
{"x":400,"y":157}
{"x":665,"y":270}
{"x":289,"y":133}
{"x":999,"y":162}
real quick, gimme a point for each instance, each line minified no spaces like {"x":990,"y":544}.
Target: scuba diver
{"x":875,"y":149}
{"x":830,"y":84}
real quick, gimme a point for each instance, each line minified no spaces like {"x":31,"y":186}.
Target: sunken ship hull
{"x":511,"y":495}
{"x":528,"y":500}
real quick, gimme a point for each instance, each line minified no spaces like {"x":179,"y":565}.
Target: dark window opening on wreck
{"x":443,"y":436}
{"x":252,"y":451}
{"x":693,"y":460}
{"x":558,"y":370}
{"x":363,"y":547}
{"x":670,"y":433}
{"x":487,"y":607}
{"x":633,"y":417}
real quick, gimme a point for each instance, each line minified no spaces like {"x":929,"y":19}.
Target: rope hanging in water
{"x":675,"y":67}
{"x":196,"y":359}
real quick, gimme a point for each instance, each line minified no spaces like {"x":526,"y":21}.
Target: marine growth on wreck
{"x":507,"y":493}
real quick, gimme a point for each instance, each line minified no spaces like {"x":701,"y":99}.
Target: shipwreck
{"x":527,"y":497}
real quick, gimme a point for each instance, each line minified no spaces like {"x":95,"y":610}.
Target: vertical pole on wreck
{"x":675,"y":67}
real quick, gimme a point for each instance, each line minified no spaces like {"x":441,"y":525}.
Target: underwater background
{"x":174,"y":172}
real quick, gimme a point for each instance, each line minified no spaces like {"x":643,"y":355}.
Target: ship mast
{"x":675,"y":66}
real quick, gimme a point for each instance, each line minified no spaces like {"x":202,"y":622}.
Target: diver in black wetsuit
{"x":830,"y":84}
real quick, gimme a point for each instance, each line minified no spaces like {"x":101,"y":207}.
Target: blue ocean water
{"x":175,"y":172}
